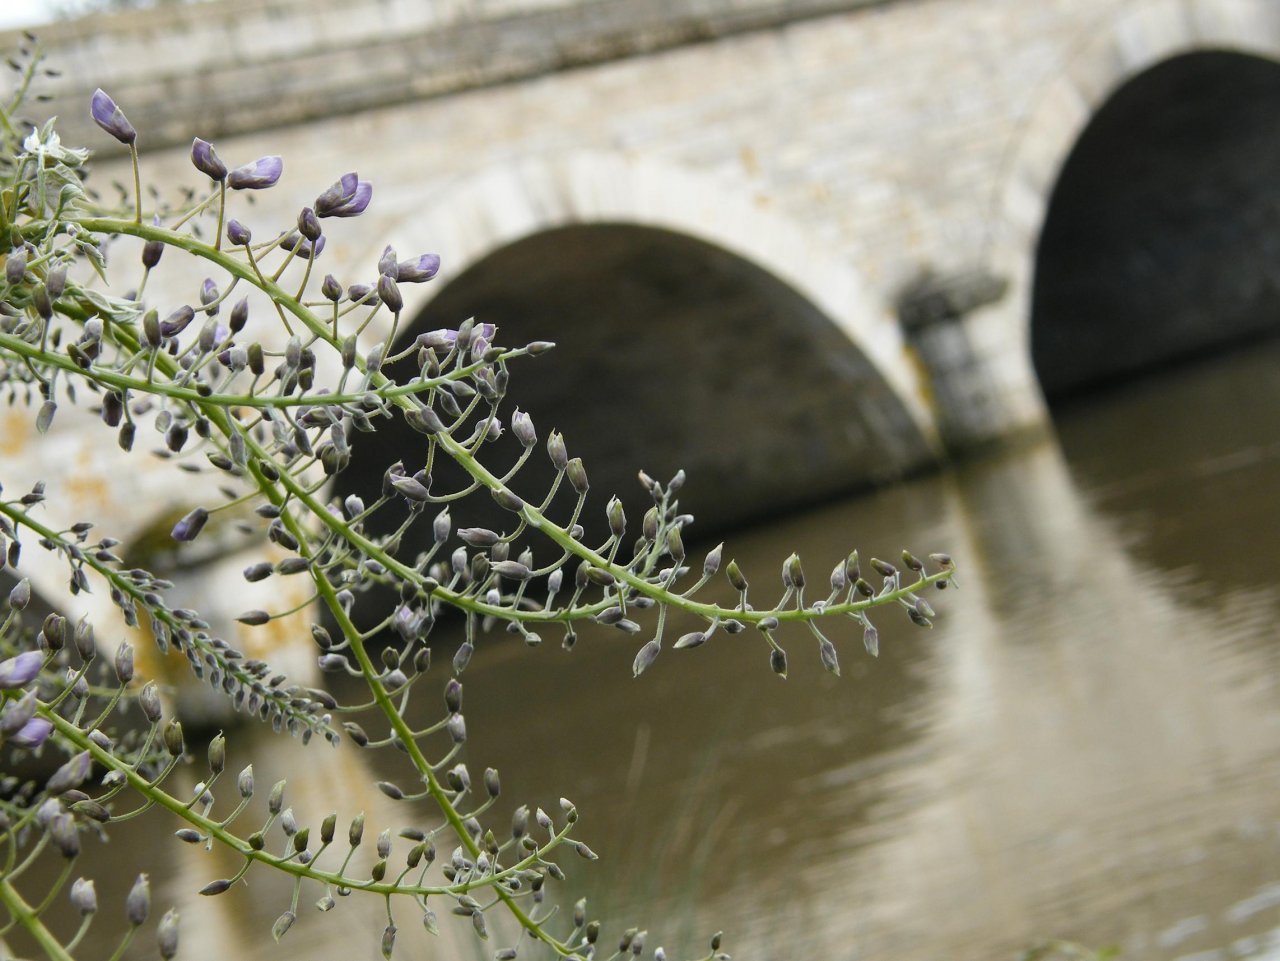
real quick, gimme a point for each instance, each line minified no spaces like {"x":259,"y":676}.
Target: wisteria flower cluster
{"x":272,"y":408}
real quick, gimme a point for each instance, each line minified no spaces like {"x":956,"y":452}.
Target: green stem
{"x":137,"y":184}
{"x":222,"y":210}
{"x":26,"y":916}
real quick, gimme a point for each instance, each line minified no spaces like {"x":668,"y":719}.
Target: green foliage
{"x":273,"y":417}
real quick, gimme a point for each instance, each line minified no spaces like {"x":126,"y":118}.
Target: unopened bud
{"x":871,"y":640}
{"x":149,"y":701}
{"x":675,"y":544}
{"x":138,"y":904}
{"x":827,"y":652}
{"x":577,"y":475}
{"x":124,"y":662}
{"x":217,"y":754}
{"x":167,"y":935}
{"x":275,"y":800}
{"x":617,"y":517}
{"x":712,"y":562}
{"x":309,"y":224}
{"x":556,"y":450}
{"x":84,"y":898}
{"x":173,"y":738}
{"x":645,"y":657}
{"x":238,"y":234}
{"x":792,"y":573}
{"x":883,"y":568}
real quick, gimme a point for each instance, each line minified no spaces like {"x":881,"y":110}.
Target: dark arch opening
{"x":671,"y":353}
{"x":1162,"y":238}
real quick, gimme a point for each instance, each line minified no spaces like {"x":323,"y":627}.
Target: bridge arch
{"x":760,"y":364}
{"x":1102,"y":130}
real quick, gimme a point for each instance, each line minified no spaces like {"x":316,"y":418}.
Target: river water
{"x":1086,"y":746}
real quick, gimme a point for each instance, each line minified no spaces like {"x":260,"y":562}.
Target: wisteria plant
{"x":272,"y":408}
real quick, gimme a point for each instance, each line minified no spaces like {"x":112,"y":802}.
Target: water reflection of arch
{"x":1096,"y":766}
{"x":1223,"y":43}
{"x":760,"y":363}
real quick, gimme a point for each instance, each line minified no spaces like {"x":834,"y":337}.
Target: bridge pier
{"x":974,"y":400}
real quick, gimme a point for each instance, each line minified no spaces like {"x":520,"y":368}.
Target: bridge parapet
{"x":240,"y":66}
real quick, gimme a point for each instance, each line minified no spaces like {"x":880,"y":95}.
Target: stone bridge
{"x":795,"y":246}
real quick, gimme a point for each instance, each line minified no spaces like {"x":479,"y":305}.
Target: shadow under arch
{"x":672,"y":353}
{"x":1162,"y":236}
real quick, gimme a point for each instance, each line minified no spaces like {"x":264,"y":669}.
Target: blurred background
{"x":983,"y":276}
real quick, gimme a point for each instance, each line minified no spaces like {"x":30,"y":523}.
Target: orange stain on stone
{"x":86,"y":488}
{"x":15,"y":432}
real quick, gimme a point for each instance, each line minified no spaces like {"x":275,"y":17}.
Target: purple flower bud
{"x":239,"y":315}
{"x":478,"y":536}
{"x":301,"y":246}
{"x":111,"y":118}
{"x":124,"y":662}
{"x":645,"y":657}
{"x":617,"y":517}
{"x":177,"y":321}
{"x":358,"y":292}
{"x":190,"y":526}
{"x":138,"y":904}
{"x":238,"y":234}
{"x":712,"y":562}
{"x":20,"y":595}
{"x":40,"y":300}
{"x":387,"y":262}
{"x":32,"y":734}
{"x":348,"y":197}
{"x":522,"y":427}
{"x":152,"y":249}
{"x":410,"y":488}
{"x":331,"y":289}
{"x":511,"y":569}
{"x":55,"y":281}
{"x":17,"y":714}
{"x":332,"y":662}
{"x":827,"y":653}
{"x":792,"y":572}
{"x":208,"y":294}
{"x":70,"y":775}
{"x":309,"y":224}
{"x":871,"y":639}
{"x":15,"y":267}
{"x":206,"y":160}
{"x":390,"y":293}
{"x":167,"y":935}
{"x":424,"y":419}
{"x":62,"y":829}
{"x":556,"y":450}
{"x":84,"y":898}
{"x":262,"y":173}
{"x":21,"y":670}
{"x":149,"y":699}
{"x":418,"y":270}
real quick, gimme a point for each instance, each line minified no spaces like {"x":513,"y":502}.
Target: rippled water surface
{"x":1086,"y":746}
